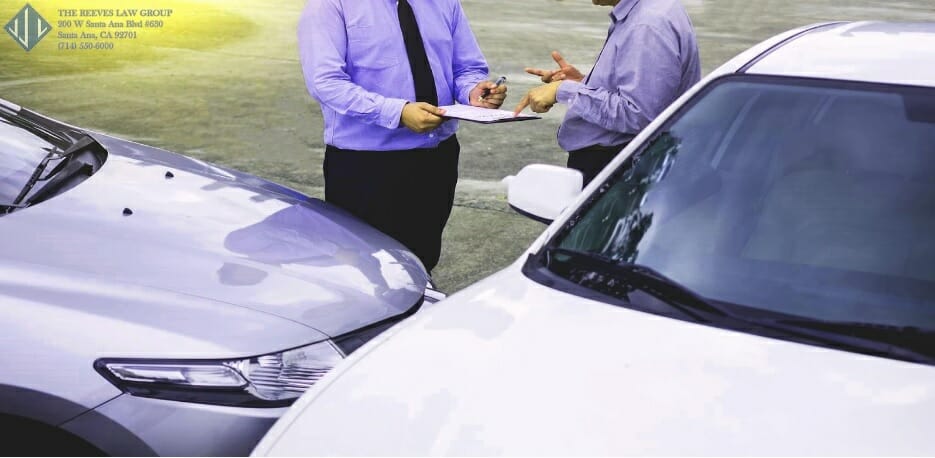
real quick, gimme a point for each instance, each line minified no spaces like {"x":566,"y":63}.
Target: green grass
{"x":222,"y":82}
{"x":198,"y":26}
{"x":230,"y":90}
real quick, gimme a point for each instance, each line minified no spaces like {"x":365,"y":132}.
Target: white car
{"x":754,"y":274}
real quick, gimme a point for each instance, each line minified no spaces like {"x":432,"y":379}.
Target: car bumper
{"x":133,"y":426}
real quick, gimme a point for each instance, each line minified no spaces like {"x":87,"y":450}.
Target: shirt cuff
{"x":464,"y":97}
{"x":567,"y":91}
{"x":391,"y":111}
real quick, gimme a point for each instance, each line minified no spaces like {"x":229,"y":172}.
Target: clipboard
{"x":483,"y":115}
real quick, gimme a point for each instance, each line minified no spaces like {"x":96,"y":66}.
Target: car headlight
{"x":273,"y":380}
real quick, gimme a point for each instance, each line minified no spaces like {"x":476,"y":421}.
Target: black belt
{"x":447,"y":143}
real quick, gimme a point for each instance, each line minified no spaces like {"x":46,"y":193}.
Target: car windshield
{"x":22,"y":148}
{"x":809,"y":198}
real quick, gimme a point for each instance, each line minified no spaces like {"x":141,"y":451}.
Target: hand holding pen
{"x":489,"y":94}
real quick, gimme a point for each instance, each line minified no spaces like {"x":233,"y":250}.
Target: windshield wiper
{"x":7,"y":208}
{"x":56,"y":154}
{"x":905,"y":342}
{"x":604,"y":274}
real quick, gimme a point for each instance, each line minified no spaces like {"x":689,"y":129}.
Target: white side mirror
{"x":542,"y":192}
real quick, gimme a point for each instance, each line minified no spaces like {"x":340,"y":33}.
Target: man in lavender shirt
{"x":650,"y":58}
{"x":380,"y":69}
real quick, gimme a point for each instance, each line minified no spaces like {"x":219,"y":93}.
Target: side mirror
{"x":542,"y":192}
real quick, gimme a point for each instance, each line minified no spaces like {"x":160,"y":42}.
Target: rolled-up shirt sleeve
{"x":469,"y":65}
{"x":649,"y":76}
{"x":323,"y":53}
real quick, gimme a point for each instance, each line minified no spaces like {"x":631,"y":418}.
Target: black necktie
{"x":418,"y":60}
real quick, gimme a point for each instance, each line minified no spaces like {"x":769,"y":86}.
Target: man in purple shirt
{"x":649,"y":60}
{"x":380,"y":69}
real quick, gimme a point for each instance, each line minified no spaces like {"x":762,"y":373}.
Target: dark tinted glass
{"x":808,"y":198}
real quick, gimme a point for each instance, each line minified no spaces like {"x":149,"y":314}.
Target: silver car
{"x":154,"y":304}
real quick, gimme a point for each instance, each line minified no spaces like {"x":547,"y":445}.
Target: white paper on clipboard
{"x":483,"y":115}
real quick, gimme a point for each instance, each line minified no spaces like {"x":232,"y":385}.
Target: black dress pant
{"x":406,"y":194}
{"x":591,"y":160}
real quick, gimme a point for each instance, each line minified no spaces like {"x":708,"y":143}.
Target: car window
{"x":21,"y":150}
{"x":810,"y":198}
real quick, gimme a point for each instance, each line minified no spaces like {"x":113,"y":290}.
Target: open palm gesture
{"x":565,"y":71}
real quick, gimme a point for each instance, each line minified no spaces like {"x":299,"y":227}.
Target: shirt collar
{"x":622,"y":10}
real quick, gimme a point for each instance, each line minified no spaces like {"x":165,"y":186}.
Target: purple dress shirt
{"x":355,"y":65}
{"x":649,"y":60}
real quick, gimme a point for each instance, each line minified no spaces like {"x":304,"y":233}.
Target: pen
{"x":496,"y":83}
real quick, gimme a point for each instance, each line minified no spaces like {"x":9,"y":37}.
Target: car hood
{"x":510,"y":367}
{"x":166,"y":222}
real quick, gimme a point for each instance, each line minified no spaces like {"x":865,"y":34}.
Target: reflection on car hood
{"x":159,"y":220}
{"x":511,"y":367}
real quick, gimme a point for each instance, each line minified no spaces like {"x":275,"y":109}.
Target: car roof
{"x":879,"y":52}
